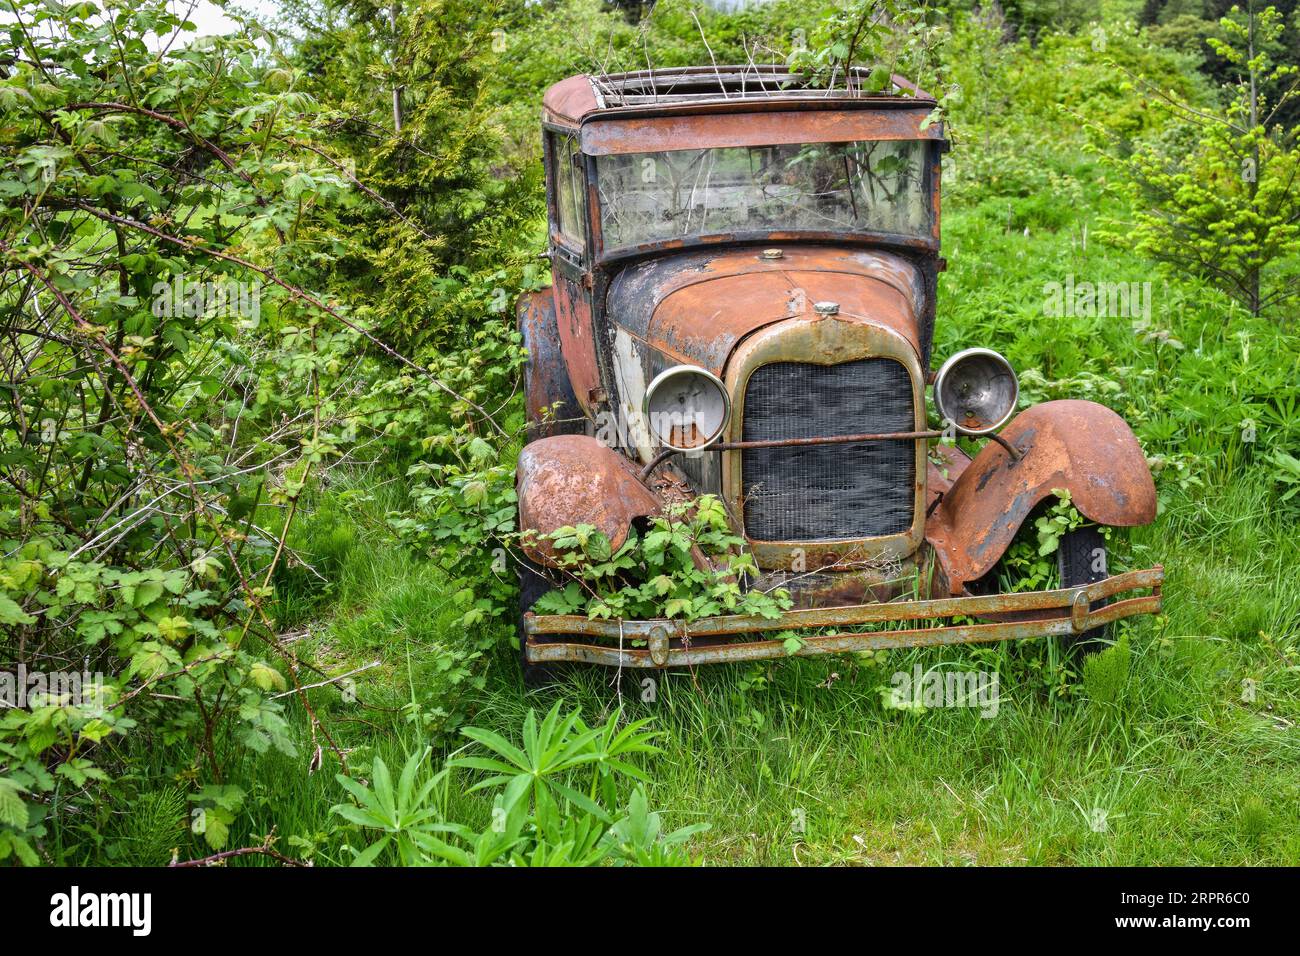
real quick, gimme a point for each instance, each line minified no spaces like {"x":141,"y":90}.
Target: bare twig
{"x":264,"y":850}
{"x":327,"y":682}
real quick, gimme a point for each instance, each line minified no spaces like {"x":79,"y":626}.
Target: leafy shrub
{"x":688,"y":564}
{"x":162,"y":437}
{"x":1030,"y":562}
{"x":1228,"y":209}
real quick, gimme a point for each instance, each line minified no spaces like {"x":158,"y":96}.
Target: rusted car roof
{"x":706,"y":89}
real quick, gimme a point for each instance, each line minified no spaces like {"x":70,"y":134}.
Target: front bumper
{"x":667,"y":643}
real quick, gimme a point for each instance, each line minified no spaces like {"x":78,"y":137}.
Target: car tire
{"x":532,"y":585}
{"x":1081,"y":559}
{"x":1078,"y":556}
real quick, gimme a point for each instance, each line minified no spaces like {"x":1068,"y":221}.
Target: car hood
{"x":696,"y":307}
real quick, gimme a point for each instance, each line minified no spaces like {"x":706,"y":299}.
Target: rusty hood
{"x":696,"y":307}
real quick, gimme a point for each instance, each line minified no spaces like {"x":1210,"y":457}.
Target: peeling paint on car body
{"x":697,"y":306}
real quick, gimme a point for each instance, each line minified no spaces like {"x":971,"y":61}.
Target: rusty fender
{"x":569,"y":480}
{"x":548,"y":395}
{"x":1080,"y":446}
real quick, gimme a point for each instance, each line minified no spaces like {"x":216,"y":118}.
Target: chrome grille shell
{"x":829,"y":342}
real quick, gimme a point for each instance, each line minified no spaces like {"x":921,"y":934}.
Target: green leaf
{"x":480,"y":450}
{"x":147,"y":592}
{"x":173,"y":628}
{"x":216,"y":830}
{"x":266,"y":677}
{"x":13,"y":810}
{"x":152,"y":660}
{"x":368,"y":856}
{"x":11,"y":613}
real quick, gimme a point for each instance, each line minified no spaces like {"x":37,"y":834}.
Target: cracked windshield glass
{"x":864,"y":186}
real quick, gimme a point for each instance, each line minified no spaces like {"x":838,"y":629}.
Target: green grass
{"x":1185,"y":771}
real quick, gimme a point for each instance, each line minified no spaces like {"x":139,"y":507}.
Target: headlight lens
{"x":976,"y":390}
{"x":687,"y":408}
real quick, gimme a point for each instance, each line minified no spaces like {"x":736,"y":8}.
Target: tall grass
{"x":799,"y":762}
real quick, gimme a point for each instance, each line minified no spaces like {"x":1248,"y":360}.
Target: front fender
{"x":1080,"y":446}
{"x":568,"y":480}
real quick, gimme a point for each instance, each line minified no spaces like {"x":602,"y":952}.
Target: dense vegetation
{"x":260,"y":412}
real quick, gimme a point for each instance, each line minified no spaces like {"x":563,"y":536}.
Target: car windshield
{"x":863,"y":186}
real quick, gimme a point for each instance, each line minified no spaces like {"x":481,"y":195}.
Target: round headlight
{"x":687,"y":408}
{"x":976,"y":390}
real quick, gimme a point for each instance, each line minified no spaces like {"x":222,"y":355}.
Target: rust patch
{"x":703,"y":90}
{"x":739,"y":126}
{"x":569,"y":100}
{"x":670,"y":487}
{"x":941,"y":476}
{"x":1065,"y":611}
{"x":573,"y":320}
{"x":696,"y":307}
{"x":843,"y":587}
{"x":706,"y":320}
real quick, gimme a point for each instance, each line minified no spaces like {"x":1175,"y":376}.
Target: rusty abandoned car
{"x":744,"y":280}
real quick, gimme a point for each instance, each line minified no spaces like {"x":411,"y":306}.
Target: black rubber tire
{"x":1078,"y":560}
{"x":532,"y":585}
{"x":1081,"y":558}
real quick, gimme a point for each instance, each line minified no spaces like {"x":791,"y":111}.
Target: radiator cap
{"x":826,"y":308}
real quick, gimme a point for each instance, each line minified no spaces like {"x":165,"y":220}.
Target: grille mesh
{"x":828,"y":492}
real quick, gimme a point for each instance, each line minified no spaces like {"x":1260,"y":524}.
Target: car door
{"x":570,"y":270}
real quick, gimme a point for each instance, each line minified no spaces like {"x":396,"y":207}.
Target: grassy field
{"x":800,"y":763}
{"x":1192,"y":756}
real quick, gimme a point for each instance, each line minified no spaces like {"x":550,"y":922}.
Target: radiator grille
{"x":828,"y":492}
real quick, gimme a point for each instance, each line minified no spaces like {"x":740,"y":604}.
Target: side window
{"x":570,"y":189}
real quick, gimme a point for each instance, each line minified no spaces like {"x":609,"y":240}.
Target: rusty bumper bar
{"x":669,"y":643}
